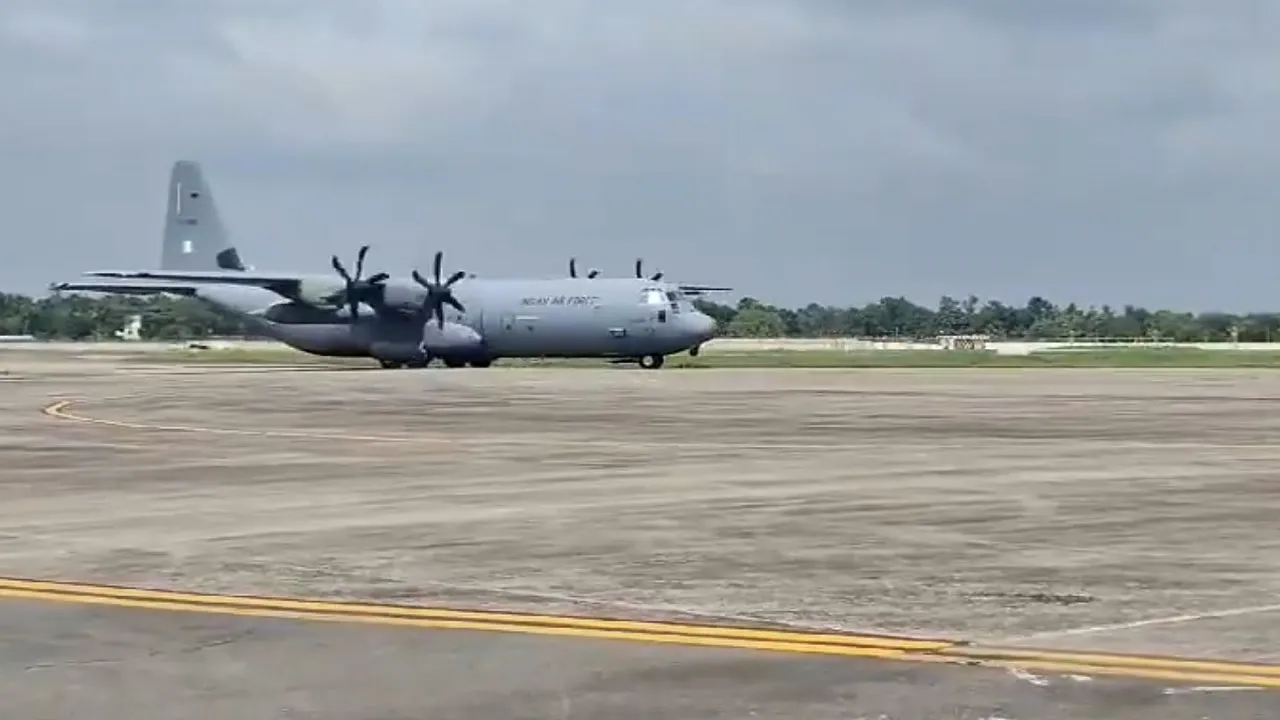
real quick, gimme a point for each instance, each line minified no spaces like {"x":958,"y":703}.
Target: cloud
{"x":797,"y":149}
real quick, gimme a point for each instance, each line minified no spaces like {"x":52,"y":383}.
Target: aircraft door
{"x":648,"y":314}
{"x":658,"y":313}
{"x":511,"y":332}
{"x":642,"y":325}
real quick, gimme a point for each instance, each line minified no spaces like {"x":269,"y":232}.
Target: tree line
{"x":84,"y":317}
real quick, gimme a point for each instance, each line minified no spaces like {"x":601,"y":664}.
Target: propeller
{"x":439,"y":293}
{"x":573,"y":270}
{"x":640,"y":274}
{"x":694,"y":290}
{"x":356,"y":289}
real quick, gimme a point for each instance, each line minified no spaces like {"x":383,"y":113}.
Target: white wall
{"x":737,"y":345}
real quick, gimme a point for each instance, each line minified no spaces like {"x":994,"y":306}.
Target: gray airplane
{"x":463,"y":320}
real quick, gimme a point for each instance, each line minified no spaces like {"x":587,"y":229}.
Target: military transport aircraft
{"x":410,"y":321}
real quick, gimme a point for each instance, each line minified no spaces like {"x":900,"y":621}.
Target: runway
{"x":1057,"y":543}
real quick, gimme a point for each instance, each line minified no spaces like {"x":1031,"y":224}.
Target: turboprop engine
{"x":452,"y":339}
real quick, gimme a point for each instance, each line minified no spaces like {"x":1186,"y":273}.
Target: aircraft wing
{"x":702,"y":289}
{"x":154,"y":288}
{"x":285,"y":285}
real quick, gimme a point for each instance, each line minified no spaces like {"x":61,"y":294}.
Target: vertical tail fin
{"x":194,"y":236}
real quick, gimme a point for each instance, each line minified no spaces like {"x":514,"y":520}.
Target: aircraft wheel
{"x":455,"y":362}
{"x":389,"y":364}
{"x":481,"y":363}
{"x":652,"y":362}
{"x":419,"y":363}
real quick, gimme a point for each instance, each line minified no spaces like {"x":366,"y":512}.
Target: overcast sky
{"x":1101,"y":151}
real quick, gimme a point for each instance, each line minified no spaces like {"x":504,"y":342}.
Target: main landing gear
{"x":463,"y":362}
{"x":652,"y":362}
{"x":396,"y":364}
{"x":448,"y":362}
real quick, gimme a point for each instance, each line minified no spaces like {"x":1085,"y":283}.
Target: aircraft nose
{"x":703,"y":326}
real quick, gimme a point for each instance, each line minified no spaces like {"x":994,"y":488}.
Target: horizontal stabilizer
{"x":125,"y":288}
{"x":221,"y":277}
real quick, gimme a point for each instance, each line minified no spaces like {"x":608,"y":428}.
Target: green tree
{"x":84,"y":317}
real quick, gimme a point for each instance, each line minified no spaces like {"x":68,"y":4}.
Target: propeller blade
{"x":379,"y":278}
{"x":591,"y":275}
{"x":337,"y":266}
{"x":417,"y":277}
{"x":453,"y":302}
{"x":455,"y":278}
{"x":656,"y":277}
{"x":439,"y":259}
{"x":573,"y":268}
{"x":364,"y":250}
{"x":439,"y":316}
{"x":639,"y":265}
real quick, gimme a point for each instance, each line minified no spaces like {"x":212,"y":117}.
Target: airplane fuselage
{"x":566,"y":317}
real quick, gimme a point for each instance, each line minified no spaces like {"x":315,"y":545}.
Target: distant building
{"x":132,"y":330}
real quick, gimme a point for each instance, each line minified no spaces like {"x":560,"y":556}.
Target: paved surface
{"x":77,"y":662}
{"x":1102,"y":511}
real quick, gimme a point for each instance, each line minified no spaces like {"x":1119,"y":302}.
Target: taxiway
{"x":1031,"y":521}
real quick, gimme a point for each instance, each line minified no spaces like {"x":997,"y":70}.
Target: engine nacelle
{"x":321,"y":293}
{"x":401,"y":297}
{"x":453,"y":339}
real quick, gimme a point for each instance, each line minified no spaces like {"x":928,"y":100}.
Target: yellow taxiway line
{"x":874,"y":646}
{"x":907,"y":649}
{"x":60,"y":410}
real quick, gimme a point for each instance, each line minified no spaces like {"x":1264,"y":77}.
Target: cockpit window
{"x":675,"y":301}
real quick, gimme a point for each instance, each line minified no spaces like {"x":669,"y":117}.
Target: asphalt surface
{"x":79,"y":662}
{"x":1063,"y":512}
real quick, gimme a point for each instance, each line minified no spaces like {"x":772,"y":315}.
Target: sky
{"x":829,"y":151}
